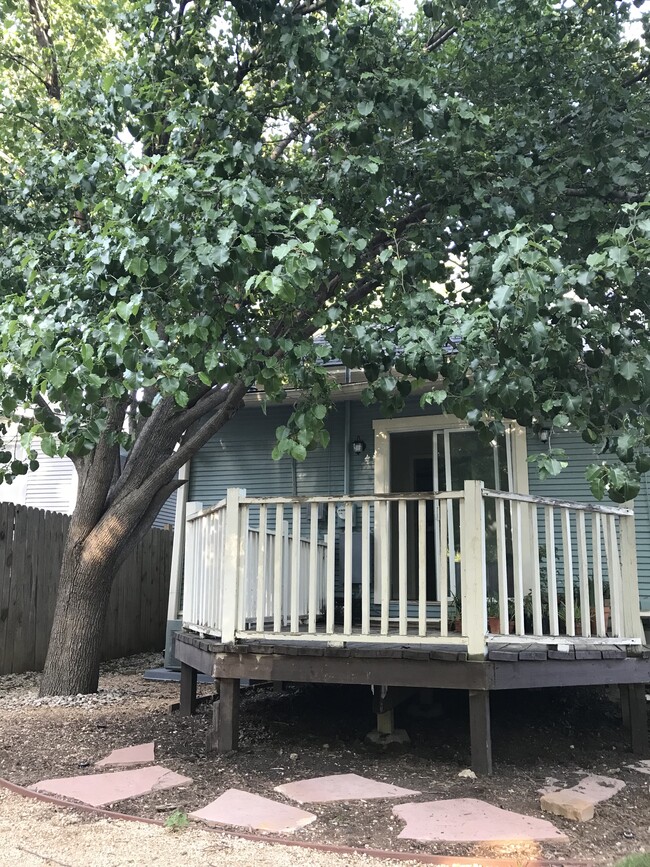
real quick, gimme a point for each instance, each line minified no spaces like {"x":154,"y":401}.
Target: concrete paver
{"x":468,"y":820}
{"x":246,"y":810}
{"x":568,"y":804}
{"x":140,"y":754}
{"x":340,"y":787}
{"x":100,"y":789}
{"x":578,"y":802}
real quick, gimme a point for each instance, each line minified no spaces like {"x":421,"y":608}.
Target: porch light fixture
{"x":544,"y":434}
{"x":358,"y":446}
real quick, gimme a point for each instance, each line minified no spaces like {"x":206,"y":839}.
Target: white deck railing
{"x":400,"y":568}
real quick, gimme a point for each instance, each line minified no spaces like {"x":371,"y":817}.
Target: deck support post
{"x":480,"y":732}
{"x":472,"y":569}
{"x":188,"y":690}
{"x":224,"y":734}
{"x":386,"y":722}
{"x":230,"y":575}
{"x":635,"y":713}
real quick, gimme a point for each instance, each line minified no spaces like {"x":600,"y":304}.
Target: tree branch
{"x":613,"y":196}
{"x":41,"y":27}
{"x":437,"y":40}
{"x":284,"y":143}
{"x":17,"y":58}
{"x":644,"y":73}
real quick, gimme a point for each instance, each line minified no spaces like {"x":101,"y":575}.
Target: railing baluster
{"x":567,"y":555}
{"x":531,"y":513}
{"x":347,"y":572}
{"x":597,"y":568}
{"x":365,"y":568}
{"x":583,"y":573}
{"x":277,"y":569}
{"x":384,"y":564}
{"x":243,"y":566}
{"x":551,"y":570}
{"x":614,"y":574}
{"x":502,"y":566}
{"x":261,"y":572}
{"x":331,"y":551}
{"x":402,"y":573}
{"x":295,"y":570}
{"x":443,"y":565}
{"x":422,"y":568}
{"x":313,"y":568}
{"x":518,"y":566}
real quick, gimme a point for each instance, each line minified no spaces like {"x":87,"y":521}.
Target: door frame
{"x":383,"y":428}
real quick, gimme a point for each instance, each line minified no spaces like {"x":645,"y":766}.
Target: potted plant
{"x":577,"y":616}
{"x":493,"y":618}
{"x":607,"y":611}
{"x":456,"y":613}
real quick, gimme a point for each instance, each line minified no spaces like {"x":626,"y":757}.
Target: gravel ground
{"x":539,"y":736}
{"x":34,"y":834}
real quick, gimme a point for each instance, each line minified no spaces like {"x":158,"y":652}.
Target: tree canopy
{"x":190,"y":190}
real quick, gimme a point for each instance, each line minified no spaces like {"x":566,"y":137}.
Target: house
{"x":408,"y":554}
{"x":53,"y":487}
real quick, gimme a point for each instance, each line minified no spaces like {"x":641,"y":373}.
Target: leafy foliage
{"x":190,"y":191}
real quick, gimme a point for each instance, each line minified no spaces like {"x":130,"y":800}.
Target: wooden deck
{"x":415,"y":666}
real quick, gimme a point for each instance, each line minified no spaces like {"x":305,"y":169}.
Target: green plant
{"x":642,"y":860}
{"x":177,"y":821}
{"x":492,"y":606}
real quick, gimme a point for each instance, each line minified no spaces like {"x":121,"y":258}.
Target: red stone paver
{"x":340,"y":787}
{"x":597,"y":788}
{"x":100,"y":789}
{"x":643,"y":766}
{"x":140,"y":754}
{"x":468,"y":820}
{"x":246,"y":810}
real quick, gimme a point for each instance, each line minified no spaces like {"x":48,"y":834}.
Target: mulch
{"x":539,"y":735}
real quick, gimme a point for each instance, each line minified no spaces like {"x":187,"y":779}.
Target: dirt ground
{"x":539,"y":736}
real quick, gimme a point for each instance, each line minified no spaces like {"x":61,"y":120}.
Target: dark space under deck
{"x":508,"y":666}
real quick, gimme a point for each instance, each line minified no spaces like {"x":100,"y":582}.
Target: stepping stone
{"x":468,"y":820}
{"x":100,"y":789}
{"x":642,"y":766}
{"x":340,"y":787}
{"x":578,"y":802}
{"x":246,"y":810}
{"x":597,"y":788}
{"x":141,"y":754}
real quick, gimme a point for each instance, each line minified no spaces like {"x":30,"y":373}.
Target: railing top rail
{"x":209,"y":510}
{"x":560,"y":504}
{"x":351,"y":498}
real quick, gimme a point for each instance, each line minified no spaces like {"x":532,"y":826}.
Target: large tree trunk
{"x":73,"y":655}
{"x":115,"y":507}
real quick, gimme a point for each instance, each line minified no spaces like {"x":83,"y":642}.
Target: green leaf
{"x":365,"y":107}
{"x":158,"y":265}
{"x":138,"y":266}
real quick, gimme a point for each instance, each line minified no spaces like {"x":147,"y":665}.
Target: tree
{"x":191,"y":190}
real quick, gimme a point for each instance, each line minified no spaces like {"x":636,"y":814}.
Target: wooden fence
{"x":31,"y":549}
